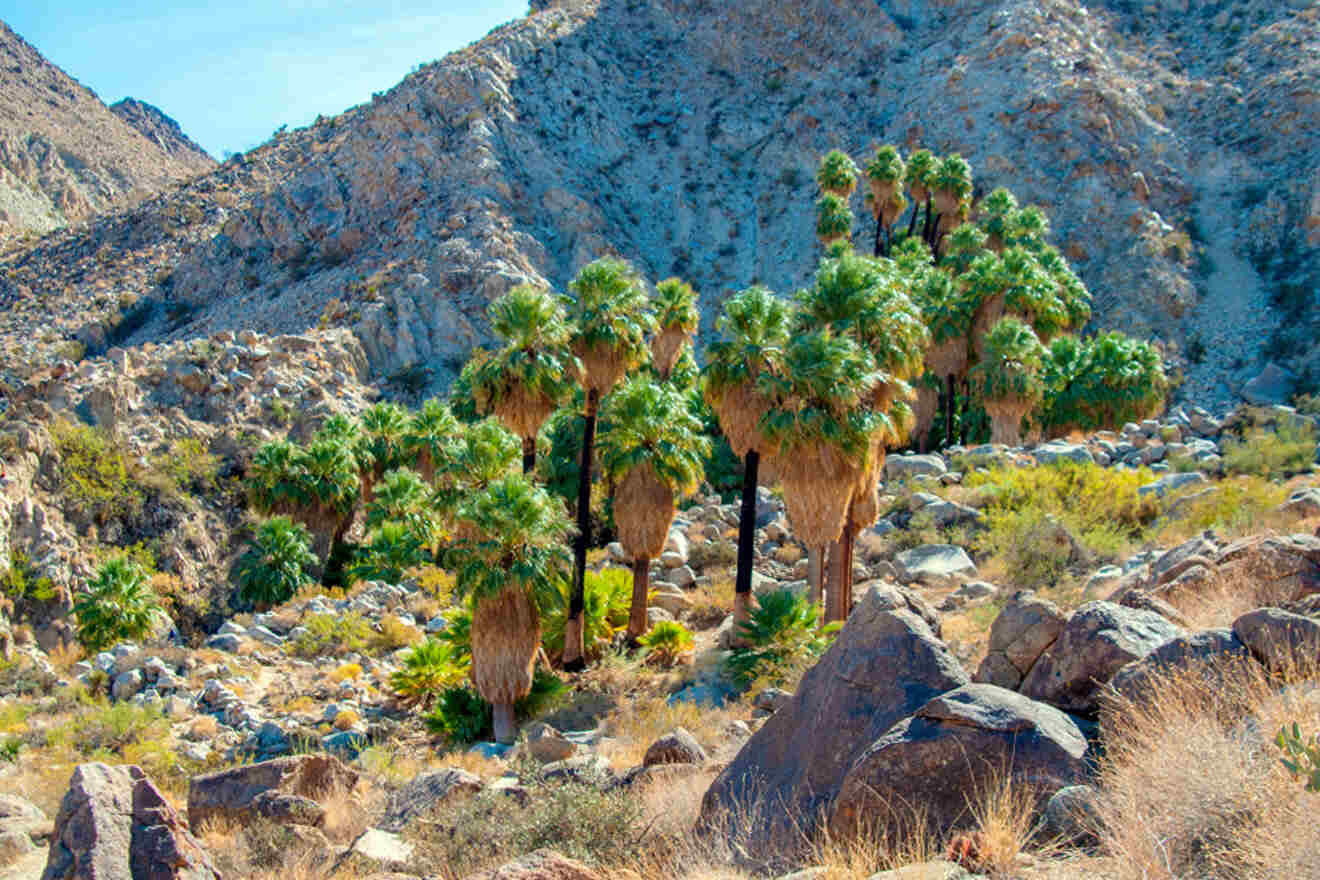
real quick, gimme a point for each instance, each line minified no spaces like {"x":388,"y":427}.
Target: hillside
{"x":65,"y":157}
{"x":1174,"y":152}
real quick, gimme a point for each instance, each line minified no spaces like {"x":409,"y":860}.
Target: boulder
{"x":546,"y":744}
{"x":543,"y":864}
{"x":936,"y":562}
{"x":900,"y":467}
{"x":1272,"y":386}
{"x":228,"y":794}
{"x":1279,"y":639}
{"x":1024,"y":629}
{"x":114,"y":824}
{"x":1206,"y":647}
{"x":1303,"y":502}
{"x":676,"y":747}
{"x":953,"y":749}
{"x":885,"y":664}
{"x":1058,"y":450}
{"x":1098,"y":640}
{"x":14,"y":845}
{"x":385,"y":848}
{"x":288,"y":809}
{"x":1072,"y":816}
{"x":1171,"y":483}
{"x":424,"y":793}
{"x":1285,"y":567}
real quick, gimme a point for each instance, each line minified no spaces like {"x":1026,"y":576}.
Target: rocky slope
{"x":64,"y":156}
{"x":1174,"y":148}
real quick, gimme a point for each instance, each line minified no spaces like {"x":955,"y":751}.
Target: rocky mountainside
{"x":1174,"y":147}
{"x":64,"y":156}
{"x":152,"y":123}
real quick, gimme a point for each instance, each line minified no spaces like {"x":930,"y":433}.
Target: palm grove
{"x":959,"y":313}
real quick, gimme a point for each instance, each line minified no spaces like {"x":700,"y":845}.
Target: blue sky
{"x":232,"y":72}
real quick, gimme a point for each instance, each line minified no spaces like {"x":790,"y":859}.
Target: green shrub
{"x":1033,"y":545}
{"x":186,"y":467}
{"x":429,"y":668}
{"x":19,"y":583}
{"x":1302,"y":758}
{"x":9,"y":747}
{"x":331,"y":634}
{"x":275,"y":566}
{"x":666,"y":643}
{"x":608,"y":599}
{"x":118,"y":605}
{"x":462,"y":716}
{"x":109,"y":727}
{"x":1278,"y":454}
{"x":780,"y":633}
{"x":95,"y":479}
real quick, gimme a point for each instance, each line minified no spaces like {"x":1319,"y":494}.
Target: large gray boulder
{"x":1207,"y":648}
{"x":229,"y":794}
{"x":899,"y":467}
{"x":1024,"y":629}
{"x":952,"y":751}
{"x":885,"y":664}
{"x":114,"y":824}
{"x":1283,"y":641}
{"x":933,"y":562}
{"x":1098,"y":640}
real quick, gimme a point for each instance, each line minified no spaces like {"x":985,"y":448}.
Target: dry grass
{"x":473,"y":762}
{"x":349,"y":812}
{"x":1193,"y":785}
{"x":642,"y":720}
{"x":711,"y":603}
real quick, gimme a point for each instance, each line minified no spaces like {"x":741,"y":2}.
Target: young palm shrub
{"x":667,"y":643}
{"x":118,"y":605}
{"x":780,"y":634}
{"x":509,"y":562}
{"x":611,"y":320}
{"x":676,"y":319}
{"x":1009,"y":378}
{"x":394,"y":547}
{"x":403,"y":496}
{"x":607,"y":601}
{"x":533,"y":373}
{"x":429,"y":667}
{"x":277,"y":563}
{"x":823,"y":430}
{"x":755,"y":331}
{"x":431,"y":433}
{"x":651,"y":444}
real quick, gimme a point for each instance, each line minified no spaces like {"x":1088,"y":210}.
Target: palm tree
{"x":272,"y":478}
{"x":276,"y":566}
{"x":382,"y":443}
{"x":755,"y":331}
{"x":1101,"y":383}
{"x":823,"y":431}
{"x":920,"y":177}
{"x":611,"y":320}
{"x":533,"y":374}
{"x":118,"y":605}
{"x":485,"y":453}
{"x":952,"y":185}
{"x":330,"y":491}
{"x":431,"y":432}
{"x":676,"y":319}
{"x":1009,"y":378}
{"x":837,"y":177}
{"x":651,"y":443}
{"x":947,"y":312}
{"x":886,"y":172}
{"x":403,"y":496}
{"x":509,"y":563}
{"x":394,"y":547}
{"x":837,"y":174}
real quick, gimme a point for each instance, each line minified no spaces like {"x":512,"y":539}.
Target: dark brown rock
{"x":1099,"y":639}
{"x":228,"y":794}
{"x":1024,"y":629}
{"x":1208,"y":647}
{"x":955,"y":749}
{"x":676,"y":747}
{"x":114,"y":824}
{"x":885,"y":664}
{"x":425,"y":793}
{"x":1284,"y":642}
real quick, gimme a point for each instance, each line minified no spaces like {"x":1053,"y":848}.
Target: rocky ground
{"x":988,"y":668}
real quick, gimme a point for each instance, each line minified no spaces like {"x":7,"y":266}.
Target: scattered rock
{"x":1206,"y":647}
{"x":676,"y":747}
{"x":933,"y":562}
{"x":385,"y":848}
{"x":1280,"y":640}
{"x":544,"y":864}
{"x":228,"y":794}
{"x":547,"y":745}
{"x":426,"y":792}
{"x":1072,"y":816}
{"x":1024,"y":629}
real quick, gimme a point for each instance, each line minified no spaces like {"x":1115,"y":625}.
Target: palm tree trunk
{"x":573,"y":647}
{"x":912,"y":222}
{"x":529,"y":454}
{"x":879,"y":229}
{"x":846,"y":564}
{"x":815,"y":556}
{"x":506,"y":729}
{"x":950,"y":404}
{"x":641,"y":589}
{"x":742,"y":588}
{"x":834,"y":584}
{"x":930,"y":220}
{"x":963,"y":421}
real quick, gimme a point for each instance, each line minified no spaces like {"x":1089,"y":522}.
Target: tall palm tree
{"x":509,"y":562}
{"x":676,"y":318}
{"x":534,"y":372}
{"x":947,"y":312}
{"x":823,"y":428}
{"x":999,"y":211}
{"x":651,"y":443}
{"x":837,"y":177}
{"x":611,"y":320}
{"x":886,"y":172}
{"x":382,"y":444}
{"x":486,"y":453}
{"x":920,"y":177}
{"x":1009,"y":378}
{"x":754,"y":332}
{"x":952,"y":185}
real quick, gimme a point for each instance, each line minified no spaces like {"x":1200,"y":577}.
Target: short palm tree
{"x":1101,"y":383}
{"x":432,"y":430}
{"x":611,"y":320}
{"x":837,"y":177}
{"x":273,"y":479}
{"x":118,"y":605}
{"x":1009,"y":378}
{"x":886,"y":172}
{"x":330,"y":491}
{"x":485,"y":453}
{"x":393,"y":547}
{"x":533,"y":373}
{"x":277,"y":564}
{"x":999,"y":212}
{"x":651,"y":444}
{"x":755,"y":329}
{"x":509,"y":562}
{"x":428,"y":668}
{"x":822,"y":428}
{"x":676,"y":319}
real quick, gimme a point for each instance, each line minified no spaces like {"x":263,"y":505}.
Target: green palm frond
{"x":886,"y":165}
{"x":1012,"y":363}
{"x":432,"y":432}
{"x":535,"y":360}
{"x":383,"y":429}
{"x":646,"y":422}
{"x":837,"y":174}
{"x":609,"y":312}
{"x":485,"y":453}
{"x":755,"y":328}
{"x":920,"y":175}
{"x":1103,"y":382}
{"x":954,"y":176}
{"x":911,"y":255}
{"x":834,"y":219}
{"x":946,"y":308}
{"x":118,"y":605}
{"x":276,"y":564}
{"x":676,"y":306}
